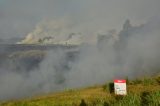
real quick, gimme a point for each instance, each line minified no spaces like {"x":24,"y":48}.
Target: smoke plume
{"x":132,"y":52}
{"x":54,"y":32}
{"x":106,"y":49}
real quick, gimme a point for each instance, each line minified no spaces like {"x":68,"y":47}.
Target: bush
{"x":150,"y":98}
{"x":148,"y":81}
{"x":154,"y":99}
{"x":129,"y":100}
{"x":109,"y":87}
{"x":144,"y":98}
{"x":145,"y":81}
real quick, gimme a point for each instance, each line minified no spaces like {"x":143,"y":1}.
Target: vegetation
{"x":141,"y":92}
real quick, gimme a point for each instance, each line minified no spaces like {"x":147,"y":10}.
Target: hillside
{"x":144,"y":91}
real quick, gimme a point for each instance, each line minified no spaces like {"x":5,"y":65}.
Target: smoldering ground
{"x":133,"y":52}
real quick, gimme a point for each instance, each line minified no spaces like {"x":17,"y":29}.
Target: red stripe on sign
{"x":119,"y":81}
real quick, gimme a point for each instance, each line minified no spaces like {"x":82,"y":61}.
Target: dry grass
{"x":93,"y":96}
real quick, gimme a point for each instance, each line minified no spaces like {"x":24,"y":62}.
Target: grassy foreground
{"x":141,"y":92}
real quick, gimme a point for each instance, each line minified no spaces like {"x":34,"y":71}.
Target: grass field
{"x":141,"y":92}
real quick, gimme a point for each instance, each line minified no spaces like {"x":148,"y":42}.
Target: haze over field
{"x":115,"y":39}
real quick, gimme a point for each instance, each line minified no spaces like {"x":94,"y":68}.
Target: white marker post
{"x":120,"y":87}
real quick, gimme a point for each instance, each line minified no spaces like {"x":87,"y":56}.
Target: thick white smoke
{"x":55,"y":32}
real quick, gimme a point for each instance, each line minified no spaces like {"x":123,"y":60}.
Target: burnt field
{"x":20,"y":57}
{"x":9,"y":48}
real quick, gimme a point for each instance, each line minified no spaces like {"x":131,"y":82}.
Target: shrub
{"x":154,"y":99}
{"x":144,"y":98}
{"x":109,"y":87}
{"x":148,"y":81}
{"x":129,"y":100}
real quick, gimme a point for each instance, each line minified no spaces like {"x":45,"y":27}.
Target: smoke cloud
{"x":19,"y":17}
{"x":131,"y":51}
{"x":54,"y":32}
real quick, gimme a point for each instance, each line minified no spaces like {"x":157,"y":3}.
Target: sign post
{"x":120,"y":87}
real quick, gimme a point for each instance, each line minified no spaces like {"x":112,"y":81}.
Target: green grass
{"x":141,"y":92}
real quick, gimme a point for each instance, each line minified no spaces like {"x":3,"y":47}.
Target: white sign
{"x":120,"y":87}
